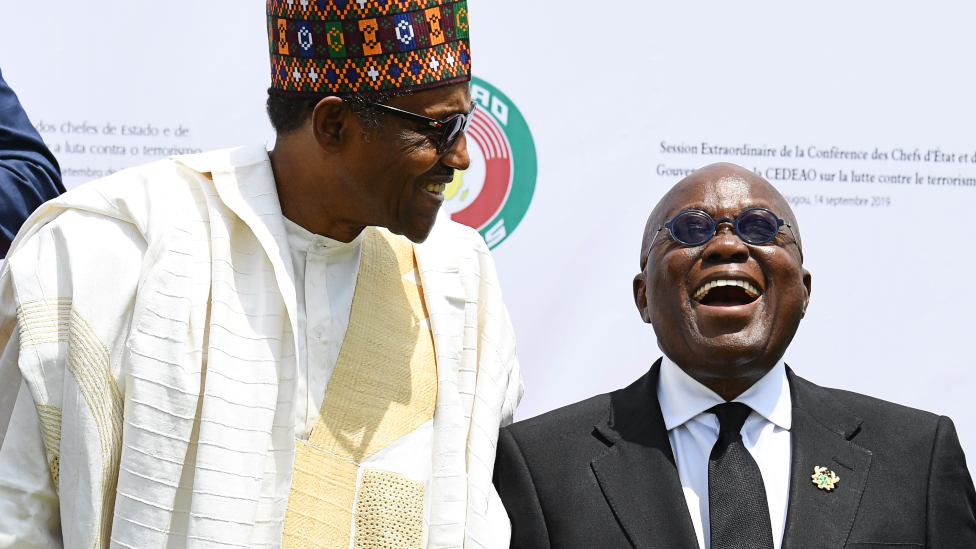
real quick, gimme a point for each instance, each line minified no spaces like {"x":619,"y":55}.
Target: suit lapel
{"x":638,"y":475}
{"x":823,"y":432}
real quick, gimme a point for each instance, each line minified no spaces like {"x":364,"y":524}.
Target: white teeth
{"x":749,"y":288}
{"x":436,"y":188}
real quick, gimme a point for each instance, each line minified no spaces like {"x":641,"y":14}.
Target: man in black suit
{"x":720,"y":445}
{"x":29,"y":173}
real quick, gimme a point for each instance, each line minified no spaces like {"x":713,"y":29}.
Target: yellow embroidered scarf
{"x":384,"y":387}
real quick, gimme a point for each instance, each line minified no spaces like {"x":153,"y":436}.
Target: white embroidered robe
{"x":152,"y":315}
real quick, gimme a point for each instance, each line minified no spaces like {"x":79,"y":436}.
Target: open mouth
{"x":436,"y":188}
{"x":727,"y":293}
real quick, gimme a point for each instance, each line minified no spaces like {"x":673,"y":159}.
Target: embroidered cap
{"x":323,"y":47}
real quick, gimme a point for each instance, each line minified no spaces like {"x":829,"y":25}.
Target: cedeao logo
{"x":494,"y":193}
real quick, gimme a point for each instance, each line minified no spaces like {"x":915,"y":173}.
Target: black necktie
{"x":737,"y":507}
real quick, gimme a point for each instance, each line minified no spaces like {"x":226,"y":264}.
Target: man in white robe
{"x":223,"y":350}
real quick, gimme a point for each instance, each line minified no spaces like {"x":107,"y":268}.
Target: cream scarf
{"x":166,"y":408}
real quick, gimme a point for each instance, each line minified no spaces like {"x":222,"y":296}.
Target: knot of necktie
{"x":731,"y":416}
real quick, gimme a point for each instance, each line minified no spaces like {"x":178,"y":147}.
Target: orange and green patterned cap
{"x":335,"y":47}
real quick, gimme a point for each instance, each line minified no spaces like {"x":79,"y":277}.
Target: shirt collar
{"x":312,"y":243}
{"x":682,"y":397}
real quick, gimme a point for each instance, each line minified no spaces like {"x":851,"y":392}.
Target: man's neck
{"x":307,"y":195}
{"x":728,"y":389}
{"x":729,"y":380}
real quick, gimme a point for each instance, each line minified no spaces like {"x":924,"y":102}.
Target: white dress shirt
{"x":326,"y":271}
{"x":693,"y":432}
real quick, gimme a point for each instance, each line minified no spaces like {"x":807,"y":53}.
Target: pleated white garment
{"x":152,"y":315}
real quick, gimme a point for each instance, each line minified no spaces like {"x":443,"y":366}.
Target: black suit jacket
{"x":29,"y":174}
{"x":601,"y":474}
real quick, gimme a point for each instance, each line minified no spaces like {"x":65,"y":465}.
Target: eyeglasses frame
{"x":443,"y":146}
{"x":735,"y":227}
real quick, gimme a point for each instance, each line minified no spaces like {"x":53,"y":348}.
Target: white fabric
{"x":693,"y":433}
{"x":26,"y":480}
{"x":325,"y":277}
{"x":180,"y":287}
{"x":325,"y":280}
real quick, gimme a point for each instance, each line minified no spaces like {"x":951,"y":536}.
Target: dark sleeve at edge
{"x":517,"y":491}
{"x":951,"y":510}
{"x":29,"y":173}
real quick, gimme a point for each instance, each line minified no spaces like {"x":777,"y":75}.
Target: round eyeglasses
{"x":755,"y":226}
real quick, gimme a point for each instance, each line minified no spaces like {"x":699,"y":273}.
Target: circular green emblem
{"x":494,"y":193}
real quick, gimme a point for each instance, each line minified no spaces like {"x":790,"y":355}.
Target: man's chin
{"x":731,"y":347}
{"x":419,"y":232}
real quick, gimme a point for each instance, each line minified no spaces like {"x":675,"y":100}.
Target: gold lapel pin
{"x":824,"y":479}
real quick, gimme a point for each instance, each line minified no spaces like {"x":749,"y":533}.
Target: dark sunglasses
{"x":755,"y":226}
{"x":452,"y":127}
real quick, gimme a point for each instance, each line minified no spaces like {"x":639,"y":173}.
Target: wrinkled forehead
{"x":725,"y":196}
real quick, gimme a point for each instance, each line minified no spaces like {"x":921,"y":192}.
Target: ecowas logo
{"x":494,"y":193}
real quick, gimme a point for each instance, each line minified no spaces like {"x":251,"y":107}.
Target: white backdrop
{"x":620,"y":97}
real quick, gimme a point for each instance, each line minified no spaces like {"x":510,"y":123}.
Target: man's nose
{"x":458,"y":157}
{"x":726,"y":246}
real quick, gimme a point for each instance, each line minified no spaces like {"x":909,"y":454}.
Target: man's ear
{"x":331,"y":123}
{"x":806,"y":287}
{"x":640,"y":297}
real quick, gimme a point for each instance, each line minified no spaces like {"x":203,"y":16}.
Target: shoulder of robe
{"x":450,"y":238}
{"x":224,"y":159}
{"x":156,"y":196}
{"x":462,"y":241}
{"x":446,"y":230}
